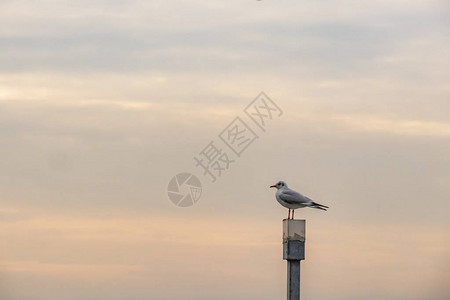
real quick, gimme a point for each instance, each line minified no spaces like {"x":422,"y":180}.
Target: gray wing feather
{"x":292,"y":197}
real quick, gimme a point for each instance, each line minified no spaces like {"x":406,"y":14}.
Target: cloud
{"x":101,"y":103}
{"x":319,"y":38}
{"x":369,"y":123}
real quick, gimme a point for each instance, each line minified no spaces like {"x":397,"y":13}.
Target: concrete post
{"x":293,"y":252}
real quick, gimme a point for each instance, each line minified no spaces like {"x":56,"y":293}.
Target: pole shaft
{"x":293,"y":253}
{"x":293,"y":280}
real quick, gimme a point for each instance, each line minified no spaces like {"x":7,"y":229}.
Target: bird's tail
{"x":318,"y":206}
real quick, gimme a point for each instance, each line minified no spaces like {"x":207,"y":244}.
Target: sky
{"x":102,"y":103}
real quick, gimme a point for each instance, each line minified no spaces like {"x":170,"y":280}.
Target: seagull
{"x":292,"y":199}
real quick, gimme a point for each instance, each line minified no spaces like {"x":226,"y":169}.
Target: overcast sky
{"x":103,"y":102}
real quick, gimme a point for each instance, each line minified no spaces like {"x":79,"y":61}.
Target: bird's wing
{"x":292,"y":197}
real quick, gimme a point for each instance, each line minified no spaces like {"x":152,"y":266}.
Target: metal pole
{"x":293,"y":252}
{"x":293,"y":280}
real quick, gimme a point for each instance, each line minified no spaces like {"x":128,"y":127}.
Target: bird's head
{"x":279,"y":185}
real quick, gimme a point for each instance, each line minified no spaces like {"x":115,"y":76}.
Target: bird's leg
{"x":293,"y":213}
{"x":289,"y":213}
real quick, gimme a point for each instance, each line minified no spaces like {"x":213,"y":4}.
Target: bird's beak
{"x":273,"y":186}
